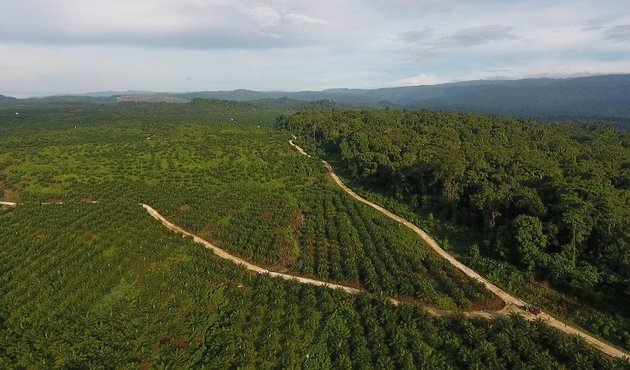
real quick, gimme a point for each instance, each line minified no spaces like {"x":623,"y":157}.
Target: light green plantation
{"x":240,"y":186}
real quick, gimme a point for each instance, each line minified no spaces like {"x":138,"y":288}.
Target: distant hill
{"x":151,"y":98}
{"x":69,"y":99}
{"x":237,"y":95}
{"x":584,"y":99}
{"x":5,"y":100}
{"x":596,"y":98}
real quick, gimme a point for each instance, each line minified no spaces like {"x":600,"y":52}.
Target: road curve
{"x":260,"y":270}
{"x":512,"y":302}
{"x":225,"y":255}
{"x":300,"y":150}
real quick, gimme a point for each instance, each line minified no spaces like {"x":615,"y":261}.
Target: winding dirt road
{"x":225,"y":255}
{"x":260,"y":270}
{"x":513,"y":303}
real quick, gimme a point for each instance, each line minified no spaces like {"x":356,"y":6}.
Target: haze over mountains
{"x":596,"y":98}
{"x":4,"y":100}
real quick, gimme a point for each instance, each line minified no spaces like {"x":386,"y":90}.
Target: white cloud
{"x":302,"y":19}
{"x":265,"y":16}
{"x":421,"y":79}
{"x":160,"y":23}
{"x":619,"y":33}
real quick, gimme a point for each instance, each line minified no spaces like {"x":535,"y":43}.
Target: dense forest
{"x":552,"y":200}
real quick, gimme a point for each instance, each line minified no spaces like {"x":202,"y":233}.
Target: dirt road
{"x":260,"y":270}
{"x":225,"y":255}
{"x":299,"y":149}
{"x":512,"y":303}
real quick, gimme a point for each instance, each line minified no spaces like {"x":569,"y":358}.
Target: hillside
{"x":582,"y":99}
{"x":238,"y":184}
{"x":121,"y":290}
{"x":5,"y":100}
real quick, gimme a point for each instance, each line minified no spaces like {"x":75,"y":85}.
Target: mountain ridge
{"x":593,"y":98}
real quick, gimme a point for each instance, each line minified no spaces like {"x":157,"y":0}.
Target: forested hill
{"x":4,"y":100}
{"x":550,"y":199}
{"x":581,"y":99}
{"x":597,"y":98}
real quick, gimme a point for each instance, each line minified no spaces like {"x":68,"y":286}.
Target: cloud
{"x":596,"y":24}
{"x":416,"y":36}
{"x":421,"y":79}
{"x":430,"y":46}
{"x":479,"y":35}
{"x":265,"y":16}
{"x":78,"y":45}
{"x":619,"y":33}
{"x":301,"y":19}
{"x":196,"y":24}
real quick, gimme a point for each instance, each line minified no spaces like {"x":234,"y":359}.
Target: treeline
{"x":551,"y":199}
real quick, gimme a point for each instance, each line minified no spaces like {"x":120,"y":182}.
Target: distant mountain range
{"x":596,"y":98}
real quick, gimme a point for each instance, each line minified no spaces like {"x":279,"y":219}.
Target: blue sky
{"x":73,"y":46}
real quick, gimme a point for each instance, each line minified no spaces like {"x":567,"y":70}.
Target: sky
{"x":75,"y":46}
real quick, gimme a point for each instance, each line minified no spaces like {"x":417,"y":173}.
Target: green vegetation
{"x":550,"y":200}
{"x":599,"y":99}
{"x":343,"y":240}
{"x":104,"y":285}
{"x":122,"y":291}
{"x":239,"y":185}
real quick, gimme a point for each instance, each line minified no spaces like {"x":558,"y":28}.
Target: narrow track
{"x":513,"y":303}
{"x":304,"y":280}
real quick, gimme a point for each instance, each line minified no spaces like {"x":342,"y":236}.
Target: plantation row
{"x":122,"y":291}
{"x":241,"y":187}
{"x":92,"y":284}
{"x":343,"y":240}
